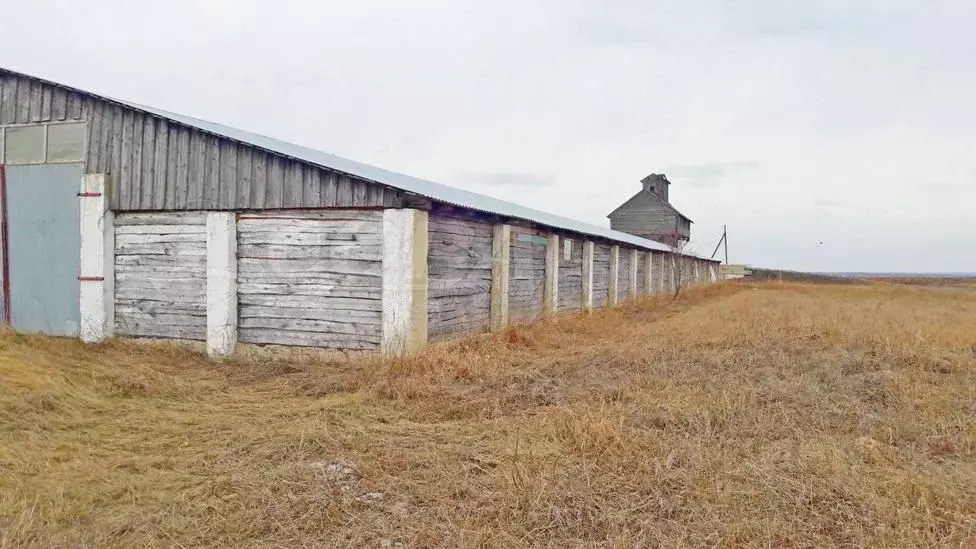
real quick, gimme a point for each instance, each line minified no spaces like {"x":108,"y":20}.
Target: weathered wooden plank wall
{"x":527,"y":275}
{"x":669,"y":271}
{"x":601,"y":274}
{"x":648,"y":216}
{"x":161,"y":165}
{"x":686,"y":272}
{"x":311,"y":279}
{"x":657,"y":275}
{"x":161,"y":275}
{"x":26,"y":101}
{"x":641,"y":273}
{"x":623,"y":274}
{"x":571,"y":276}
{"x":458,"y":276}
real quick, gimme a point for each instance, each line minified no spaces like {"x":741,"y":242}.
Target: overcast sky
{"x":828,"y":135}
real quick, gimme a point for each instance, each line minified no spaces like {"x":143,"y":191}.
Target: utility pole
{"x":723,"y":240}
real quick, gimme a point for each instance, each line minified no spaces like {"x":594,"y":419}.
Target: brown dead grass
{"x":740,"y":415}
{"x":932,"y":282}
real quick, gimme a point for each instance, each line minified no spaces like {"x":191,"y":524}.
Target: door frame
{"x":4,"y":251}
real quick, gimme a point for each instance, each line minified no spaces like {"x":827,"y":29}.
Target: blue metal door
{"x":43,"y":247}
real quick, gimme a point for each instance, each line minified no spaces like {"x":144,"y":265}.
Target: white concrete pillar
{"x":712,"y":276}
{"x":501,"y":257}
{"x":588,"y":248}
{"x":649,"y":273}
{"x":221,"y":283}
{"x":97,"y":274}
{"x":405,"y":242}
{"x":632,"y":282}
{"x":614,"y":274}
{"x":550,"y":291}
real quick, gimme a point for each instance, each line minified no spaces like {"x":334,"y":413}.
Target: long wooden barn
{"x":125,"y":220}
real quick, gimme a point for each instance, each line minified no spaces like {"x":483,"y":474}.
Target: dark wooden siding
{"x":459,"y":276}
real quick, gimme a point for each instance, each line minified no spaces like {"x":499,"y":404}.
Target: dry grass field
{"x":739,"y":415}
{"x":934,"y":282}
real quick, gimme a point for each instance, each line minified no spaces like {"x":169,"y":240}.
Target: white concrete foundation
{"x":97,"y":273}
{"x":221,"y":283}
{"x":614,"y":275}
{"x":550,"y":295}
{"x":404,"y":281}
{"x":588,"y":248}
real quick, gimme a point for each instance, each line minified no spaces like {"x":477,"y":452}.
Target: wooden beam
{"x":501,"y":256}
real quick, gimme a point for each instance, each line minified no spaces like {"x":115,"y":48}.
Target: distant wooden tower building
{"x":649,"y":214}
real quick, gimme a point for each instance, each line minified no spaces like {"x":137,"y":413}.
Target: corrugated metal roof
{"x":422,"y":187}
{"x":434,"y":191}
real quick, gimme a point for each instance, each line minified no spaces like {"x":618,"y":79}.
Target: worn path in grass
{"x":738,"y":415}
